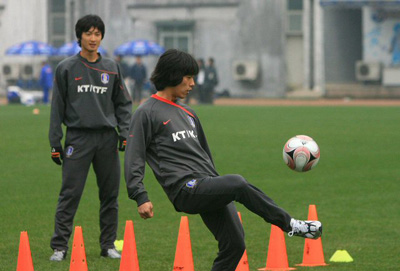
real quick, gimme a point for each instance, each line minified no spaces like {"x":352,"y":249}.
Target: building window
{"x":294,"y":23}
{"x":176,"y":35}
{"x":59,"y":25}
{"x":57,"y":22}
{"x":57,"y":5}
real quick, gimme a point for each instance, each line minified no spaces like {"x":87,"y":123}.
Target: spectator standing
{"x":124,"y":66}
{"x":125,"y":69}
{"x":199,"y":80}
{"x":210,"y":81}
{"x":138,"y":74}
{"x":46,"y":81}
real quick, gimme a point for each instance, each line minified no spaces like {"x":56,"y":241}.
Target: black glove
{"x":122,"y":143}
{"x":57,"y":154}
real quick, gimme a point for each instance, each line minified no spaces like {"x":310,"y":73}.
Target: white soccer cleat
{"x":111,"y":253}
{"x":58,"y":255}
{"x":306,"y":229}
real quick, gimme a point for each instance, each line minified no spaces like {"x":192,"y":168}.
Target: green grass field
{"x":355,"y":188}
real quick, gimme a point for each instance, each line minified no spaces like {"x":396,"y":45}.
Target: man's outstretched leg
{"x":215,"y":192}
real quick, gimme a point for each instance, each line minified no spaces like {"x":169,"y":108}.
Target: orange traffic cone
{"x":244,"y":263}
{"x":129,"y":258}
{"x":183,"y":255}
{"x":313,"y":254}
{"x":277,"y":256}
{"x":78,"y":255}
{"x":24,"y":254}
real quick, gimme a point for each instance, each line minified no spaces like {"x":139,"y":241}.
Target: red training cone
{"x":313,"y":254}
{"x":183,"y":255}
{"x":129,"y":258}
{"x":244,"y":263}
{"x":277,"y":256}
{"x":25,"y":262}
{"x":78,"y":255}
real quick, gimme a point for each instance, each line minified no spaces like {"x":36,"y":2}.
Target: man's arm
{"x":57,"y":112}
{"x":123,"y":105}
{"x":140,"y":135}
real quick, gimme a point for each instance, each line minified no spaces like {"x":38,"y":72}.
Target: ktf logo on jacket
{"x":185,"y":134}
{"x":105,"y":78}
{"x":91,"y":88}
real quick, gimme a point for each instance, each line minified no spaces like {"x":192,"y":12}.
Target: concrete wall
{"x":261,"y":37}
{"x":343,"y":44}
{"x":22,"y":21}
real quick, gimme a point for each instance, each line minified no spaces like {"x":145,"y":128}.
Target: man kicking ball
{"x":168,"y":135}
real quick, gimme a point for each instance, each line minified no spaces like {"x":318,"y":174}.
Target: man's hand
{"x":122,"y":143}
{"x":146,"y":210}
{"x":57,"y":155}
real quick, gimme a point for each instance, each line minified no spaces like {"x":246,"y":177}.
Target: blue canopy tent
{"x":139,"y":48}
{"x":31,"y":48}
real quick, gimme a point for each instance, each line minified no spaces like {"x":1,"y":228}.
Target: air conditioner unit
{"x":368,"y":71}
{"x":30,"y":71}
{"x":245,"y":70}
{"x":10,"y":71}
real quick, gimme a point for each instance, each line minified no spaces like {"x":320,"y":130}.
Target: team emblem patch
{"x":191,"y":183}
{"x":105,"y":78}
{"x":69,"y":151}
{"x":191,"y":120}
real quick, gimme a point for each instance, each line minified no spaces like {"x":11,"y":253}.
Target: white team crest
{"x":70,"y":151}
{"x":191,"y":120}
{"x":105,"y":78}
{"x":191,"y":183}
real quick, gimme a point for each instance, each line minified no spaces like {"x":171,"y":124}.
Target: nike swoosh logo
{"x":166,"y":122}
{"x":78,"y":78}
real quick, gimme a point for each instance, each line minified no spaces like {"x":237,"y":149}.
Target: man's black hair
{"x":85,"y":23}
{"x":171,"y":67}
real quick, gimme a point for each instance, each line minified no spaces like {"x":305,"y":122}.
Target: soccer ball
{"x":301,"y":153}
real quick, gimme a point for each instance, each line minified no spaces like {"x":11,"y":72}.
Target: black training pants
{"x":213,"y":197}
{"x":84,"y":147}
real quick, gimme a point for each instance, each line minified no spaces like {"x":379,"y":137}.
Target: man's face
{"x":183,"y":89}
{"x":90,"y":40}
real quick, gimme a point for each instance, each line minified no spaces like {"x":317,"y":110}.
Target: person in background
{"x":124,"y":66}
{"x":210,"y":81}
{"x":198,"y":92}
{"x":91,"y":100}
{"x":46,"y":81}
{"x":125,"y":70}
{"x":139,"y":75}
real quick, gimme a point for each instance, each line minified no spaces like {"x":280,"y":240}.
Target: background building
{"x":262,"y":48}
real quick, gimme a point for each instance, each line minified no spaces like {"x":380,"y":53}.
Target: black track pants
{"x":82,"y":148}
{"x":213,"y":198}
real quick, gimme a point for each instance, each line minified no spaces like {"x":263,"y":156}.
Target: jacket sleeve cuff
{"x":142,"y":198}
